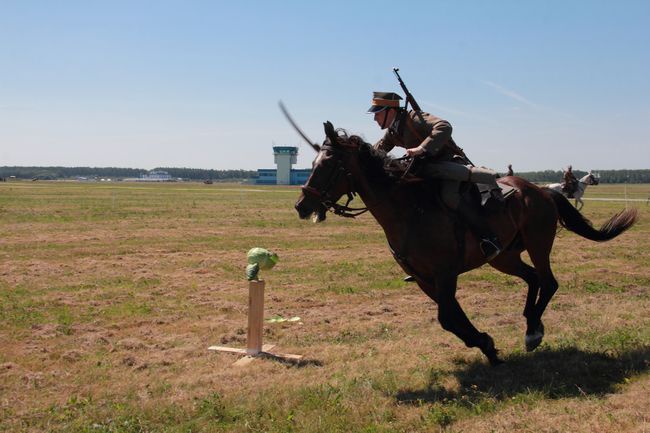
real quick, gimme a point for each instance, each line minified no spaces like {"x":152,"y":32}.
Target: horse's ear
{"x":330,"y":132}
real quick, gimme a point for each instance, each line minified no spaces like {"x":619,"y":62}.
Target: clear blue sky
{"x":539,"y":84}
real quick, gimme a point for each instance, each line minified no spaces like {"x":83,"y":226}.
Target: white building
{"x":155,"y":176}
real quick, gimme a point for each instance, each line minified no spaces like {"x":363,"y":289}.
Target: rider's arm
{"x":438,"y":138}
{"x":385,"y":143}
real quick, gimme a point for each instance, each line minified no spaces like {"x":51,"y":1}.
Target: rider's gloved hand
{"x":416,"y":151}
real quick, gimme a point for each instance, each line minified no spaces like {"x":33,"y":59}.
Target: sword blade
{"x":316,"y":147}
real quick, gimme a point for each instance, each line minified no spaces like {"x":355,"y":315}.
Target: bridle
{"x":323,"y":194}
{"x":590,"y":180}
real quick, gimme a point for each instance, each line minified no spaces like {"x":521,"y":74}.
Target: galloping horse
{"x":583,"y":183}
{"x":430,"y":243}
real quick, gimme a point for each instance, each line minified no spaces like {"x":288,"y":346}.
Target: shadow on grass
{"x":551,"y":373}
{"x":303,"y":362}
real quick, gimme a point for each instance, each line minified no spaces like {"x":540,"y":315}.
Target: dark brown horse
{"x":430,"y":243}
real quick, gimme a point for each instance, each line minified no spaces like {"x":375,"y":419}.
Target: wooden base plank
{"x":247,"y":358}
{"x":228,"y":349}
{"x":287,"y":356}
{"x":265,"y":348}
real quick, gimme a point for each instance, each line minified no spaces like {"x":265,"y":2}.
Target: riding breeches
{"x":452,"y":174}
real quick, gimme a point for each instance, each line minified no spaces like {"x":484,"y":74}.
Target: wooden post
{"x":255,"y":331}
{"x":255,"y":316}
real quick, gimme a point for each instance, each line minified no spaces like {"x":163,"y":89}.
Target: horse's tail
{"x":573,"y":220}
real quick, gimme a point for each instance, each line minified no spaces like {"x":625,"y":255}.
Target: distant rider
{"x":569,"y":182}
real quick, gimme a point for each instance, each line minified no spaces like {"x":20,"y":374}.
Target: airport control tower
{"x":285,"y":157}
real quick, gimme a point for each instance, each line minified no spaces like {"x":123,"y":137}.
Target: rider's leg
{"x":488,"y":177}
{"x":471,"y":213}
{"x":463,"y":173}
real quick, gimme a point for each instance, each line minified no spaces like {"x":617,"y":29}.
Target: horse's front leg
{"x":453,"y":319}
{"x":579,"y":203}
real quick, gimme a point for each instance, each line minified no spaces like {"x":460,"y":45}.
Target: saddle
{"x":478,"y":191}
{"x":487,"y":196}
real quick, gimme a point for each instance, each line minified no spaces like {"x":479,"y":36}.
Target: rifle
{"x":409,"y":97}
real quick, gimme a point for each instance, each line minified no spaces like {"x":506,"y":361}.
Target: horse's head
{"x":591,"y":179}
{"x":331,"y":175}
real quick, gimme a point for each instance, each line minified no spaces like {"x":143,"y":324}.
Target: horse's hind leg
{"x":539,"y":249}
{"x":510,"y":262}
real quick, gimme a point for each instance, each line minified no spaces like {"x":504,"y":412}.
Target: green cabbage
{"x":259,"y":258}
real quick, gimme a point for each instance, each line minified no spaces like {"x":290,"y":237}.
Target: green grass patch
{"x":18,"y":308}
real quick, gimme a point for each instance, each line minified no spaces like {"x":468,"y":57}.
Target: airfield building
{"x":285,"y":157}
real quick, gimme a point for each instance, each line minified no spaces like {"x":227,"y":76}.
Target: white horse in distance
{"x":583,"y":182}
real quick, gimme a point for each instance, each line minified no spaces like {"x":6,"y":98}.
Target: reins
{"x":323,"y":194}
{"x":408,"y":167}
{"x":340,"y":210}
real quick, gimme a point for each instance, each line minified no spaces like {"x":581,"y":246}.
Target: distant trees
{"x":201,"y":174}
{"x":51,"y":173}
{"x":624,"y":176}
{"x":606,"y":176}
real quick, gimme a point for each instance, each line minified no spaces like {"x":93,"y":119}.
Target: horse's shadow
{"x":553,"y":373}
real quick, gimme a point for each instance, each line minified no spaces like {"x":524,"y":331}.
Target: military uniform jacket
{"x":409,"y":131}
{"x":569,"y":178}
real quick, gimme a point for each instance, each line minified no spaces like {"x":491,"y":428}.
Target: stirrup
{"x":409,"y":278}
{"x":490,"y":247}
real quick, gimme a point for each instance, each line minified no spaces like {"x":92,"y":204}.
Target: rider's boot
{"x":472,"y":214}
{"x":497,"y":194}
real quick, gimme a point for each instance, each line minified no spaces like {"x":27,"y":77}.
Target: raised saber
{"x":316,"y":147}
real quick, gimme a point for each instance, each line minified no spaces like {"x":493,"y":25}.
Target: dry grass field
{"x":110,"y":295}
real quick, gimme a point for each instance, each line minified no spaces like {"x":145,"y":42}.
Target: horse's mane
{"x":383,"y":170}
{"x":379,"y":166}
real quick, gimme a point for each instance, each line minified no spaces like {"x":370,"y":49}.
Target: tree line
{"x":606,"y":176}
{"x":52,"y":173}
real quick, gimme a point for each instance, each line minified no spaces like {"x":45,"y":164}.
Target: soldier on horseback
{"x":427,"y":136}
{"x":569,"y":182}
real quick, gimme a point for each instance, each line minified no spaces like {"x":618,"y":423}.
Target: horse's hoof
{"x":534,"y":340}
{"x":496,"y":361}
{"x":490,"y":351}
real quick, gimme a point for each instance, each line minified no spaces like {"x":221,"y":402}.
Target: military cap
{"x":384,"y":100}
